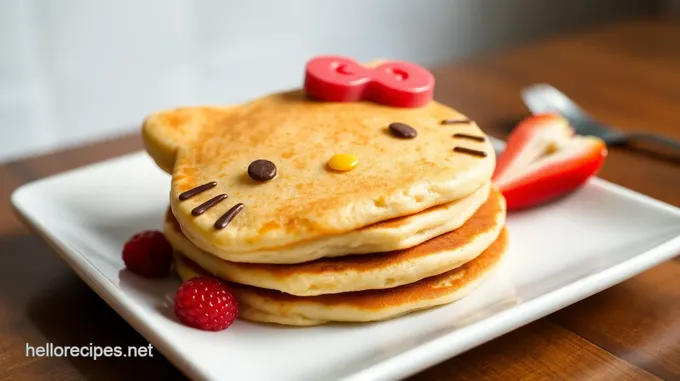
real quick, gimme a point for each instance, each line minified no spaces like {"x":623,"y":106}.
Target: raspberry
{"x":205,"y":303}
{"x":148,"y":254}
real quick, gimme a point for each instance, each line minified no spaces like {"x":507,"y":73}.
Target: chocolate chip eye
{"x":262,"y":170}
{"x":403,"y":131}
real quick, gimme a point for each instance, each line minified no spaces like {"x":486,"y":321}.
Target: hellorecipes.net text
{"x":92,"y":351}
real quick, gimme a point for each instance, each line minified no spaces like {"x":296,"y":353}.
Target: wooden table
{"x":627,"y":75}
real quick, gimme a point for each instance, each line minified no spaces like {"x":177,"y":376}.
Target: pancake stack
{"x":411,"y":222}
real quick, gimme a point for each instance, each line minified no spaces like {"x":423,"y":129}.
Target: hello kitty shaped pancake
{"x":229,"y":203}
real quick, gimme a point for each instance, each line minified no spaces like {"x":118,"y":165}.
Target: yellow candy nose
{"x":343,"y":162}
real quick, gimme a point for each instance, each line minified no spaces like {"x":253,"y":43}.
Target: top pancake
{"x":307,"y":200}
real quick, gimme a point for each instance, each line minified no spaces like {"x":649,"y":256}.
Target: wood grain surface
{"x":626,"y":75}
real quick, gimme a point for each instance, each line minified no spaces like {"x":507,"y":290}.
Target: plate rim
{"x":402,"y":364}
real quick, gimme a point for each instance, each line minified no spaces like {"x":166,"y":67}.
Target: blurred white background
{"x":77,"y":70}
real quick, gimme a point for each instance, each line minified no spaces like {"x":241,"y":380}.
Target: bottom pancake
{"x":269,"y":306}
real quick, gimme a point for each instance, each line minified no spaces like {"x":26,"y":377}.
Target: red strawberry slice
{"x":544,"y":160}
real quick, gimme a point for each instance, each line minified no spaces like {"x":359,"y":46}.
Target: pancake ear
{"x":167,"y":132}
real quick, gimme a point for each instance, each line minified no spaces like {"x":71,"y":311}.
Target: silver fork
{"x":542,"y":98}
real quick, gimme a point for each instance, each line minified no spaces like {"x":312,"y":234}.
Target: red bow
{"x":393,"y":83}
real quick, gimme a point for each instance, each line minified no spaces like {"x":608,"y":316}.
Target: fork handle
{"x":644,"y":136}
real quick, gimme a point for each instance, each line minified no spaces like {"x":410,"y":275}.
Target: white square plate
{"x":559,"y":254}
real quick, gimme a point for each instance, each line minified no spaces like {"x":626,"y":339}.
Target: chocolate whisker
{"x":471,"y":137}
{"x":455,"y":121}
{"x":194,"y":191}
{"x":470,"y":151}
{"x":226,"y":218}
{"x":197,"y":211}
